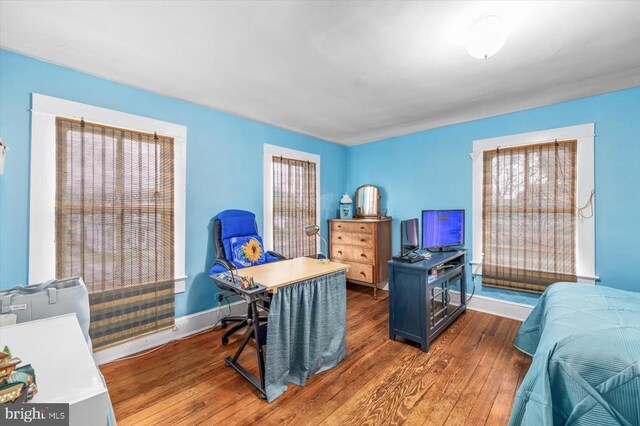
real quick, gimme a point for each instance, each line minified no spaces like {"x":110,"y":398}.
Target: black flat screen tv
{"x":442,"y":228}
{"x":409,"y":236}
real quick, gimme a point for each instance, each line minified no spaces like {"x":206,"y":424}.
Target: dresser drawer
{"x":352,"y":253}
{"x":362,"y":239}
{"x":359,"y":272}
{"x":352,"y":226}
{"x":340,"y":238}
{"x":352,"y":238}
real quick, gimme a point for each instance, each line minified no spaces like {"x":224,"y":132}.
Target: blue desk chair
{"x":237,"y":245}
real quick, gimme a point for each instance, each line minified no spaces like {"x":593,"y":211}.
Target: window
{"x":533,"y":218}
{"x":294,"y":206}
{"x":114,"y":225}
{"x":291,"y":200}
{"x":117,"y":203}
{"x":529,"y":216}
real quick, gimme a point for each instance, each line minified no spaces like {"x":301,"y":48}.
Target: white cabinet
{"x":65,"y":370}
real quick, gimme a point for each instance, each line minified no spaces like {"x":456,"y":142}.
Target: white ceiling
{"x":348,"y":72}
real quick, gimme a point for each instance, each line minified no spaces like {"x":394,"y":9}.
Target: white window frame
{"x":44,"y":110}
{"x":271,"y":151}
{"x":585,"y":228}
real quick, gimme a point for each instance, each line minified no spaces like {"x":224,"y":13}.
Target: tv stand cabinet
{"x":420,"y":303}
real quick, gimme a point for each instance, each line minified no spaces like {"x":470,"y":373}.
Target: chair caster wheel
{"x":225,"y":341}
{"x":223,"y":325}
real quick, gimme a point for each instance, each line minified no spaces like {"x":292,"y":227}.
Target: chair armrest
{"x":318,"y":256}
{"x":225,"y":264}
{"x":276,"y":255}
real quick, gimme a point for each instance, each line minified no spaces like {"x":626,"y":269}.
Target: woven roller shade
{"x":529,"y":216}
{"x":115,"y":226}
{"x":294,"y":206}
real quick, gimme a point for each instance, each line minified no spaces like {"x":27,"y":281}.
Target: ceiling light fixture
{"x":486,"y":37}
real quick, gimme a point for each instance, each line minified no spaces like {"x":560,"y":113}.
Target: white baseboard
{"x":185,"y":326}
{"x":502,"y":308}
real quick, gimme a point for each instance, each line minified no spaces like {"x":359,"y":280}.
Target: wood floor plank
{"x":339,"y":398}
{"x":386,"y":392}
{"x":501,"y":408}
{"x":472,"y":388}
{"x":379,"y":382}
{"x":412,"y":390}
{"x":438,"y":380}
{"x":480,"y":411}
{"x":488,"y":349}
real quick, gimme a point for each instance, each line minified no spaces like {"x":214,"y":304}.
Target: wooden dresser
{"x":365,"y":246}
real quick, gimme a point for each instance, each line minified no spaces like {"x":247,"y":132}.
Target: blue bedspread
{"x":585,"y":342}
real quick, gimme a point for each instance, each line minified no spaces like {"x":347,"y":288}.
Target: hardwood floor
{"x":469,"y":376}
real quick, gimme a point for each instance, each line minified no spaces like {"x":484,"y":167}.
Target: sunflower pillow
{"x":247,"y":251}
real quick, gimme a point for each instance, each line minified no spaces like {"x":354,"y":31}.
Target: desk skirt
{"x":306,"y":331}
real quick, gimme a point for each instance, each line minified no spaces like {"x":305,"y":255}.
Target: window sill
{"x":582,"y":278}
{"x":180,"y":285}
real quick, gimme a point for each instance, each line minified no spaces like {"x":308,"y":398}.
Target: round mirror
{"x":367,"y":201}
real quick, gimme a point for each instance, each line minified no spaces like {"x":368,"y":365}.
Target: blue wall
{"x":425,"y":170}
{"x":224,"y":163}
{"x":432,"y":170}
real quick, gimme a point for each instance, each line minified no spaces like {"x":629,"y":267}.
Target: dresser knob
{"x":339,"y":238}
{"x":363,"y":255}
{"x":339,"y":251}
{"x":362,"y":240}
{"x":362,"y":227}
{"x":363,"y":274}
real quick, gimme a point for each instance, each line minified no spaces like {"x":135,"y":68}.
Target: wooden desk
{"x":286,"y":272}
{"x":285,"y":339}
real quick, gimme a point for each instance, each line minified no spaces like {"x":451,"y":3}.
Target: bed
{"x":585,"y":343}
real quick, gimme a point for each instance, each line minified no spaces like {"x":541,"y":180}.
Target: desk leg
{"x":254,"y":332}
{"x":260,"y":341}
{"x":247,"y":336}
